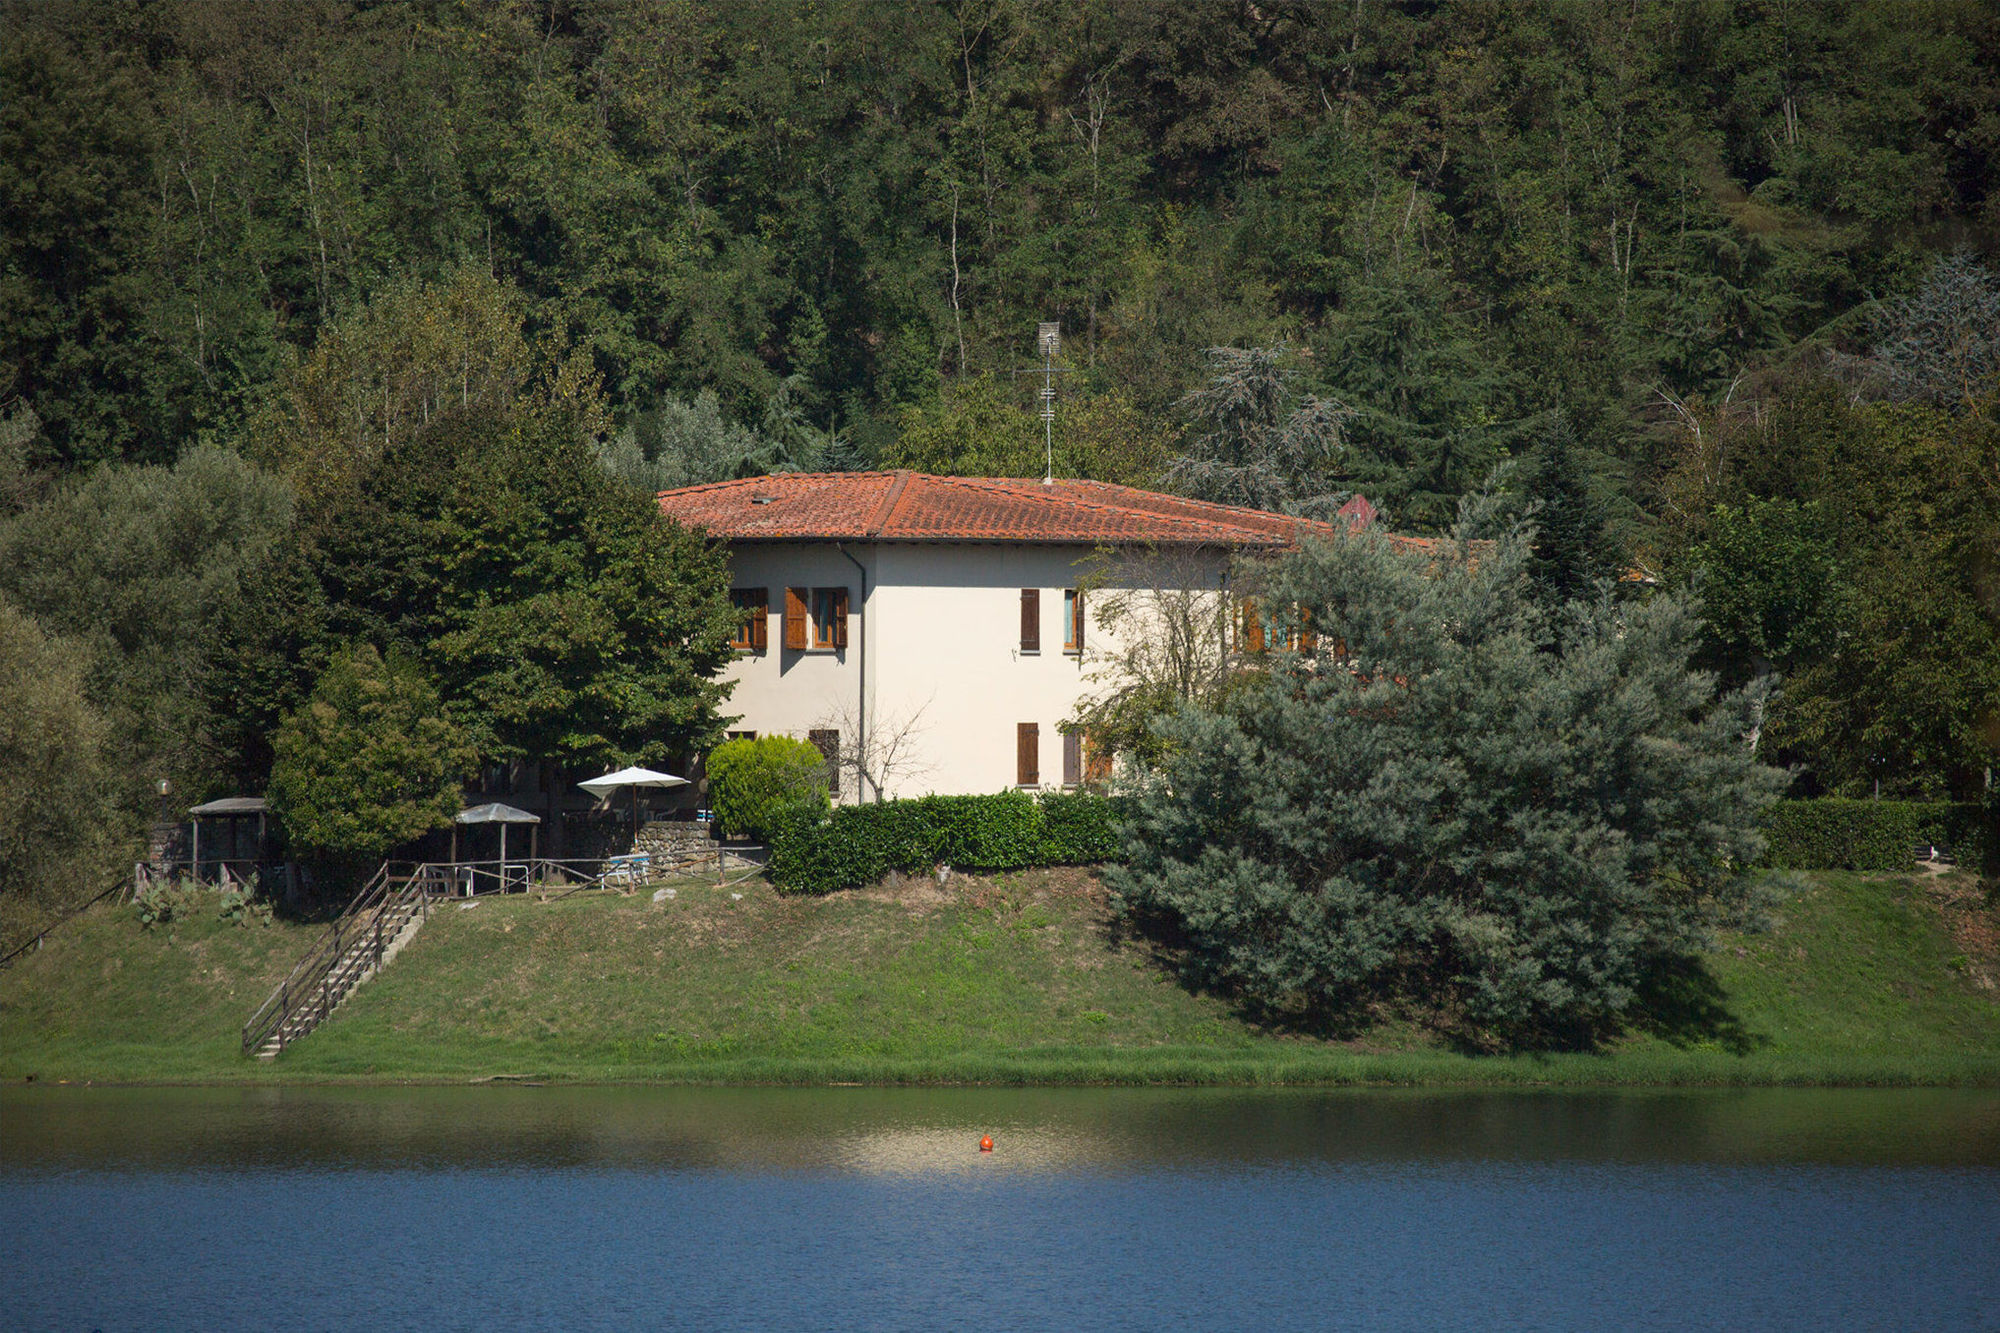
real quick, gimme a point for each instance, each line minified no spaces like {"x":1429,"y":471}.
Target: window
{"x":1031,"y":620}
{"x":1297,"y":633}
{"x":753,"y":626}
{"x":742,"y":735}
{"x":1027,"y":755}
{"x":1096,"y":761}
{"x":829,"y":611}
{"x":1072,"y":620}
{"x":1072,"y":758}
{"x":1249,"y":626}
{"x":827,"y":742}
{"x":815,"y":619}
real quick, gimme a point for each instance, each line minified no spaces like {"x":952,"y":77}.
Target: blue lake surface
{"x":864,"y":1208}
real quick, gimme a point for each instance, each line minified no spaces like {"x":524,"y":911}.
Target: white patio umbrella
{"x":634,"y":778}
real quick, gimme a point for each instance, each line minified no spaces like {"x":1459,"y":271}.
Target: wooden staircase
{"x":382,"y":918}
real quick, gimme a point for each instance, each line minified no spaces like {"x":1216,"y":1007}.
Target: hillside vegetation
{"x":1863,"y":979}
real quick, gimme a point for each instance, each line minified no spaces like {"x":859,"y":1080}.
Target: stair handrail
{"x":307,"y":987}
{"x":35,"y":939}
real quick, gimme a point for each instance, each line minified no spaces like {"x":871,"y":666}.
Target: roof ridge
{"x":1036,"y":489}
{"x":886,"y":510}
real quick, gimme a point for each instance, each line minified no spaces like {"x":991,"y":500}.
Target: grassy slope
{"x":1007,"y":980}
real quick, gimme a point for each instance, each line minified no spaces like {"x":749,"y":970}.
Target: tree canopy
{"x":1455,"y":800}
{"x":370,"y":762}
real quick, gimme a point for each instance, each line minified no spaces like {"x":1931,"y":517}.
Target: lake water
{"x":840,"y":1208}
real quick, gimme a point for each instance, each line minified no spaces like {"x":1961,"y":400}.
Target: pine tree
{"x":1572,"y":547}
{"x":1432,"y":807}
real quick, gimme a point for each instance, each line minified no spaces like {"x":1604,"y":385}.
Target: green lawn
{"x":1012,"y":979}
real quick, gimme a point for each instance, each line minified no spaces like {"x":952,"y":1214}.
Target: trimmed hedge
{"x":1830,"y":834}
{"x":859,"y":844}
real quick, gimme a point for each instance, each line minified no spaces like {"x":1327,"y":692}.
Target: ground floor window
{"x":827,"y":742}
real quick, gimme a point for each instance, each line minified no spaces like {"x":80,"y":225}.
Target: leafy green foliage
{"x":1772,"y":589}
{"x":562,"y":618}
{"x":1450,"y":813}
{"x":859,"y":844}
{"x":1854,"y":544}
{"x":754,"y":784}
{"x":982,"y":426}
{"x":370,"y":762}
{"x":59,"y":823}
{"x":683,"y":444}
{"x":135,"y":566}
{"x":1834,"y":834}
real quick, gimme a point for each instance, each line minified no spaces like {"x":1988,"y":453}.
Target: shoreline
{"x":1011,"y":981}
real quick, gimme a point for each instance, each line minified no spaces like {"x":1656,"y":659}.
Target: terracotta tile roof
{"x":916,"y":506}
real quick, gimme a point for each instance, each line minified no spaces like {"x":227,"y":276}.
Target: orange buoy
{"x":986,"y":1143}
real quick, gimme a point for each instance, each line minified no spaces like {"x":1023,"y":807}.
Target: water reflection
{"x":616,"y":1208}
{"x":929,"y":1131}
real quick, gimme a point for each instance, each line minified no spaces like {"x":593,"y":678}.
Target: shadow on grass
{"x":1160,"y":937}
{"x":1682,"y":1004}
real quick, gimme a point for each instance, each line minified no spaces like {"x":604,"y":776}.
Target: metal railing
{"x":355,"y":944}
{"x":351,"y":947}
{"x":34,"y":940}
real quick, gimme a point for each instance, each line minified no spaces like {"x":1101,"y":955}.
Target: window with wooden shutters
{"x":753,"y":606}
{"x":1249,"y":627}
{"x":1031,"y":620}
{"x":798,"y":630}
{"x":840,"y":617}
{"x":1072,"y":759}
{"x":1096,"y":761}
{"x":1072,"y":620}
{"x":1027,"y":755}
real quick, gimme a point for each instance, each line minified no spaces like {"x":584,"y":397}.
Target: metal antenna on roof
{"x":1048,"y":341}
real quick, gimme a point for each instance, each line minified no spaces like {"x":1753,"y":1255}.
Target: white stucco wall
{"x":941,"y":631}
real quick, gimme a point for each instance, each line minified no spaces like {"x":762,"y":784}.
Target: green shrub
{"x":859,"y":844}
{"x":1832,"y":834}
{"x":752,"y":783}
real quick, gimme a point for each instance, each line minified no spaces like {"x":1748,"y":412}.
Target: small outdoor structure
{"x":495,"y":813}
{"x":634,"y":778}
{"x":235,"y":863}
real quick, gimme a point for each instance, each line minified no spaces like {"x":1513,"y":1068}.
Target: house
{"x":931,"y":633}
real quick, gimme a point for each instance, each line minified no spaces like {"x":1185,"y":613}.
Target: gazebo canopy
{"x":495,"y":813}
{"x":231,"y":805}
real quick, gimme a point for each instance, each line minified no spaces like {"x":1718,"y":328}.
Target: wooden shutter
{"x":840,"y":617}
{"x":1027,"y":755}
{"x":1076,"y":623}
{"x":1096,"y":762}
{"x":798,"y":619}
{"x":1072,"y":758}
{"x":760,"y":620}
{"x":1308,"y":640}
{"x":1250,"y":627}
{"x":1031,"y":620}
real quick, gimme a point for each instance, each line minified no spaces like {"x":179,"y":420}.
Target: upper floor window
{"x":1031,"y":620}
{"x":753,"y":609}
{"x":1072,"y":620}
{"x":815,"y":618}
{"x":1293,"y":631}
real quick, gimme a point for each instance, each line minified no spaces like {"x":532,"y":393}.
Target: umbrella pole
{"x":503,"y":856}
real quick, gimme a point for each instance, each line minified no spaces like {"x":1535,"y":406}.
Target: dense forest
{"x":1737,"y":258}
